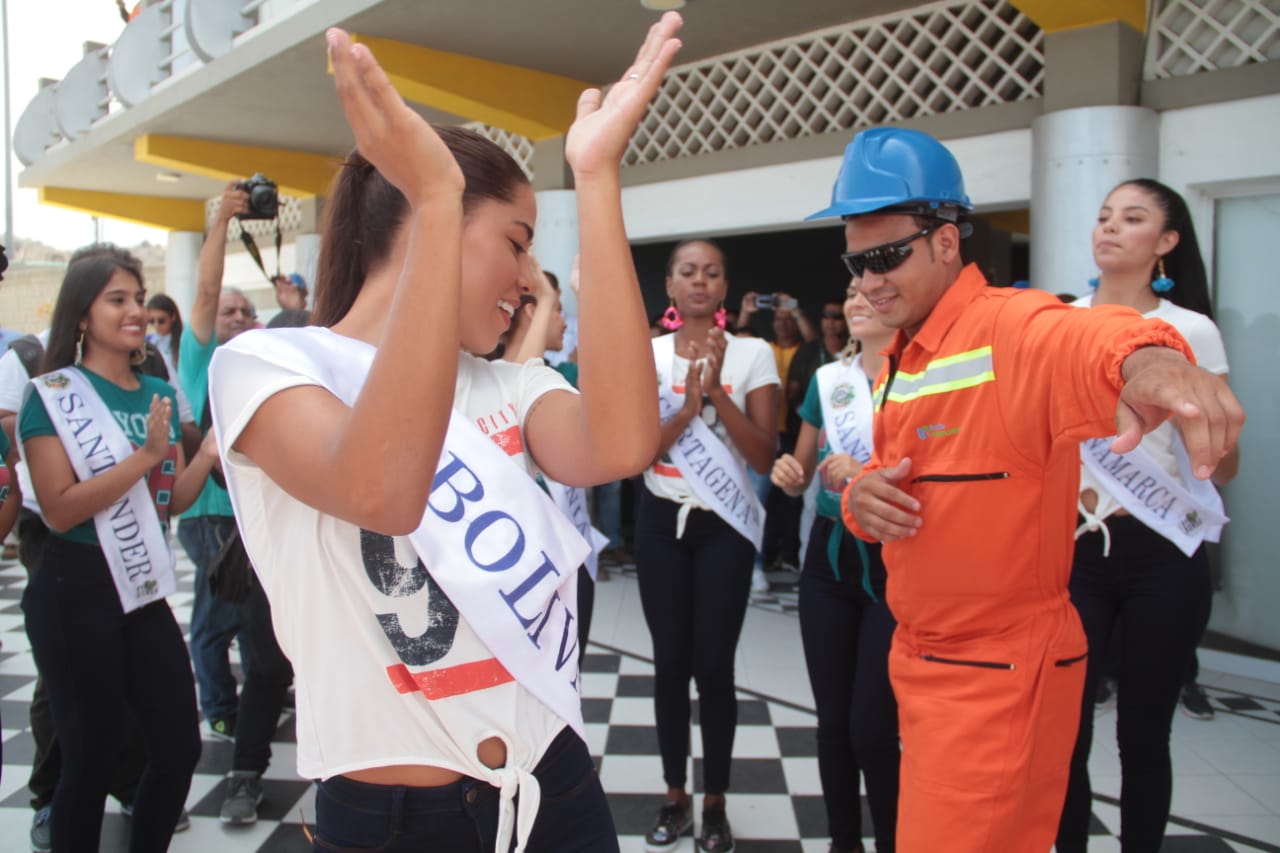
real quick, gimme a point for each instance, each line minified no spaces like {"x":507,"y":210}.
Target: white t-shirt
{"x":348,"y":615}
{"x":1206,"y":342}
{"x":748,"y":364}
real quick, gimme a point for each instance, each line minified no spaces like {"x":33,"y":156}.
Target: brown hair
{"x":364,"y":212}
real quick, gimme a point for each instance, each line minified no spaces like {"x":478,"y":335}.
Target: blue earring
{"x":1162,"y":284}
{"x":1094,"y":282}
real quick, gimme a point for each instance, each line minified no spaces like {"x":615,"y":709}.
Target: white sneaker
{"x":759,"y":582}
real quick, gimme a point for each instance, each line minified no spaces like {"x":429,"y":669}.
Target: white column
{"x":1078,"y":156}
{"x":306,"y":257}
{"x":181,"y":266}
{"x":555,"y":244}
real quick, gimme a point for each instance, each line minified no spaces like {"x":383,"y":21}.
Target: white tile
{"x":802,"y":775}
{"x":748,"y":742}
{"x":284,"y":762}
{"x":599,"y":684}
{"x":784,"y":716}
{"x":632,"y":711}
{"x":208,"y":833}
{"x":632,"y":666}
{"x":1251,"y":686}
{"x":1108,"y":785}
{"x":1233,"y":757}
{"x":761,"y":816}
{"x":1200,"y":796}
{"x":23,"y":693}
{"x":1188,"y":760}
{"x":633,"y":774}
{"x":19,"y":664}
{"x":1263,"y":789}
{"x":1265,"y":829}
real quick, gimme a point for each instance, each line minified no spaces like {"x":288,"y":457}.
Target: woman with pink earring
{"x":698,"y":526}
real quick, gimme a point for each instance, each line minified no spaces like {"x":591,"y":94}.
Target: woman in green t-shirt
{"x":101,"y":632}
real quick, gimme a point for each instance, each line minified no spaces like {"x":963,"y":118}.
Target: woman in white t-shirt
{"x":422,"y":586}
{"x":697,"y":530}
{"x":1134,"y":587}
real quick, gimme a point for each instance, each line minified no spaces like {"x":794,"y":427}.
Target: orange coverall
{"x":990,"y":400}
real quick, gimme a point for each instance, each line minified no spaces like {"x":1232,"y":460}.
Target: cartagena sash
{"x":716,"y":476}
{"x":1185,"y":515}
{"x":572,"y":501}
{"x":134,"y":543}
{"x":491,"y":539}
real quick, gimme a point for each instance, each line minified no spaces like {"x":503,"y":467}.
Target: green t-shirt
{"x":569,"y":371}
{"x":193,"y":373}
{"x":130,"y":409}
{"x":4,"y":469}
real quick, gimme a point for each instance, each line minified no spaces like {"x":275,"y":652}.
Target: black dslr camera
{"x":264,"y":198}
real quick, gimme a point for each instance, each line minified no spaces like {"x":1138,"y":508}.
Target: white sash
{"x":710,"y":469}
{"x":572,"y":502}
{"x":847,"y":407}
{"x":1186,"y":516}
{"x":134,"y":543}
{"x":490,"y":537}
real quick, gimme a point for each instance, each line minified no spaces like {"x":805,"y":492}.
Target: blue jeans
{"x":463,"y":817}
{"x":608,"y":497}
{"x":213,"y":622}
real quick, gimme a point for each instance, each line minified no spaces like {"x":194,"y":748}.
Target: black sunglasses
{"x":884,"y":258}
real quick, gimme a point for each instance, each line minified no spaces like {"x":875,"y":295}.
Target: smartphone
{"x":765,"y":300}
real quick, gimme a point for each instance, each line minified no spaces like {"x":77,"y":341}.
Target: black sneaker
{"x":244,"y":795}
{"x":1194,"y":703}
{"x":715,"y":836}
{"x":674,"y":821}
{"x":223,"y":729}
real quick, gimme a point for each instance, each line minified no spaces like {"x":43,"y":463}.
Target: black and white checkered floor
{"x":1227,"y":795}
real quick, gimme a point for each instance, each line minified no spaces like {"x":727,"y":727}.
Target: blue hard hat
{"x":894,"y":168}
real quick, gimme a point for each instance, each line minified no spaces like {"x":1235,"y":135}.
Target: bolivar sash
{"x":572,"y":501}
{"x":132,"y":539}
{"x":1186,"y":516}
{"x":707,"y":465}
{"x":492,"y":540}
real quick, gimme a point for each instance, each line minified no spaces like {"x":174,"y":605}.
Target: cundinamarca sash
{"x":1185,"y":515}
{"x":132,"y":539}
{"x":491,"y":539}
{"x":707,"y":465}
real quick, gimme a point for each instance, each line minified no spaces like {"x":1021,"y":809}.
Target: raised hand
{"x":159,"y":422}
{"x":713,"y":360}
{"x":396,"y":140}
{"x":234,"y":201}
{"x":885,"y":511}
{"x":604,"y":123}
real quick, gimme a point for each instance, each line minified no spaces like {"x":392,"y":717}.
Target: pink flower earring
{"x":671,"y":318}
{"x":722,"y":316}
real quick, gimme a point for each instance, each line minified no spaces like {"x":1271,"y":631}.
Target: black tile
{"x":1096,"y":826}
{"x":635,"y":685}
{"x":14,"y":609}
{"x":811,"y":816}
{"x":10,"y":683}
{"x":20,"y":749}
{"x":751,"y":712}
{"x":1240,"y":703}
{"x":15,"y":714}
{"x":634,"y":814}
{"x":596,"y":710}
{"x":21,"y":798}
{"x":216,"y":757}
{"x":286,"y":838}
{"x":599,"y":662}
{"x":797,"y":741}
{"x":749,"y":776}
{"x":631,"y":740}
{"x":772,"y":845}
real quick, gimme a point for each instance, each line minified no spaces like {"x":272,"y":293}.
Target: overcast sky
{"x":46,"y":39}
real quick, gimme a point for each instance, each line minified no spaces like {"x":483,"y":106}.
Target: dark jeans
{"x":586,"y":604}
{"x":1162,"y":598}
{"x":46,"y":765}
{"x":213,"y":622}
{"x":782,"y":518}
{"x":463,"y":817}
{"x":846,"y":636}
{"x":265,"y":686}
{"x":694,"y":591}
{"x":95,"y":658}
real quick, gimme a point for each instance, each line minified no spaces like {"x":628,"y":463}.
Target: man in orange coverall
{"x":980,"y":409}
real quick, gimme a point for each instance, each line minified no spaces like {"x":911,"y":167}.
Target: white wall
{"x":997,"y":170}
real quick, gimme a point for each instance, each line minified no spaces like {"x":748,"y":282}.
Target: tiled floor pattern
{"x":1227,"y":795}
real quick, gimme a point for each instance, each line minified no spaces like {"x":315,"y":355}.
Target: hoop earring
{"x":671,"y":318}
{"x":1162,"y":284}
{"x":137,"y":357}
{"x":721,"y":316}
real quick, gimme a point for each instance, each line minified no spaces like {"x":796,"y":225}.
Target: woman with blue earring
{"x":1139,"y":554}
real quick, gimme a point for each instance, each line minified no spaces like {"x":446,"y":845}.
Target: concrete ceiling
{"x":272,"y":88}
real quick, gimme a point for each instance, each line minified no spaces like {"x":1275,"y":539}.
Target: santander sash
{"x":711,"y":470}
{"x":133,"y":541}
{"x":572,"y":501}
{"x":490,"y":538}
{"x":847,"y":407}
{"x":1185,"y":515}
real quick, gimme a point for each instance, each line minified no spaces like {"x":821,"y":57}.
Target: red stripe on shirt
{"x":451,"y":680}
